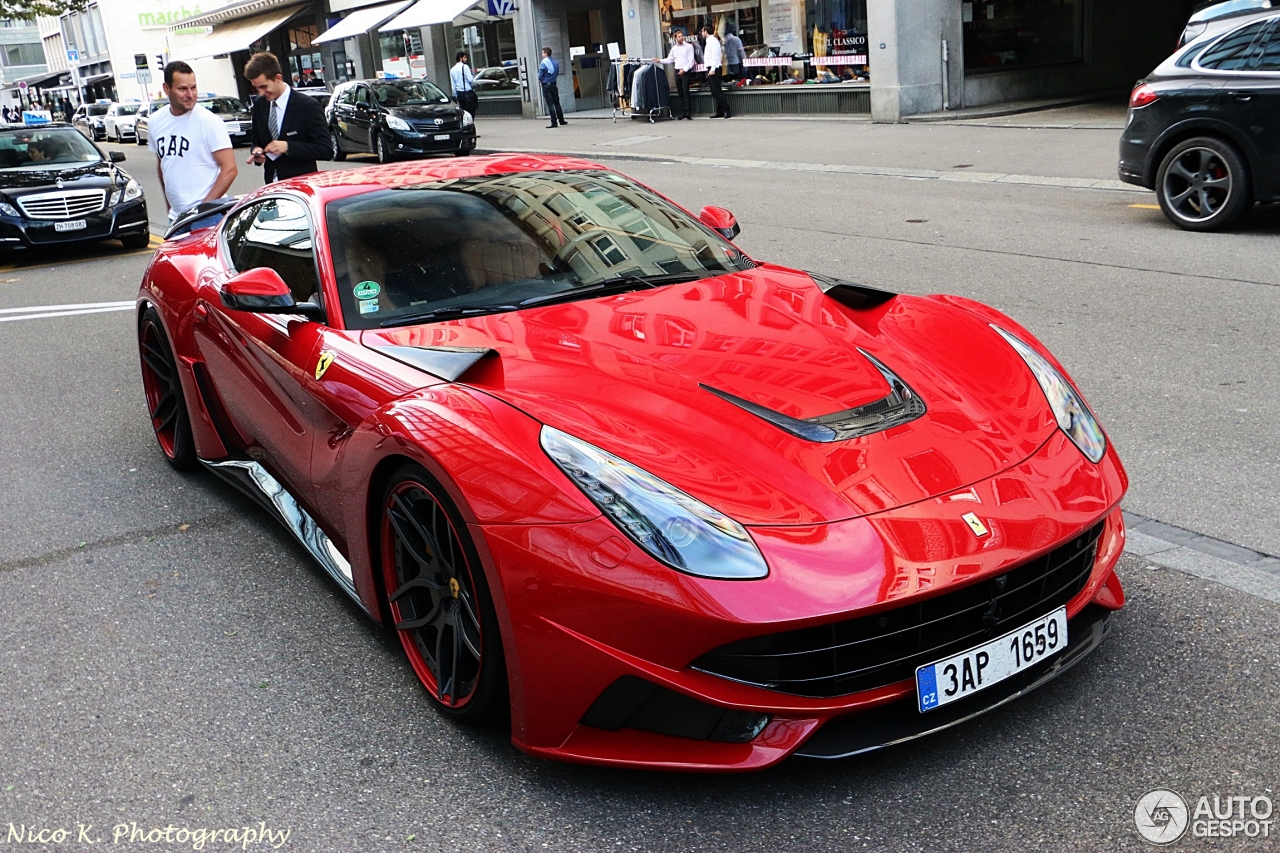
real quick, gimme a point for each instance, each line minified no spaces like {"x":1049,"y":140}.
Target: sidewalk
{"x":1073,"y":147}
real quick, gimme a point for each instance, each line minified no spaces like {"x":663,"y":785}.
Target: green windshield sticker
{"x":366,"y":290}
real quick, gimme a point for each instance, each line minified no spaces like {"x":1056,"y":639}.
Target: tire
{"x":163,"y":390}
{"x":463,"y":152}
{"x":439,"y":600}
{"x":137,"y":241}
{"x":1203,"y":184}
{"x":382,"y":149}
{"x":138,"y":140}
{"x":338,"y":153}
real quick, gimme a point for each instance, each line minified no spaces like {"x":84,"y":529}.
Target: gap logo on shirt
{"x":172,"y":146}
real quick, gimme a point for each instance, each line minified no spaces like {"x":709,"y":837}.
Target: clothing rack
{"x":621,"y":90}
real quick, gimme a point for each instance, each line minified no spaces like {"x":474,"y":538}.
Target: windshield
{"x":407,"y":93}
{"x":223,"y":106}
{"x":97,"y":109}
{"x":36,"y":148}
{"x":480,"y":242}
{"x":127,"y":109}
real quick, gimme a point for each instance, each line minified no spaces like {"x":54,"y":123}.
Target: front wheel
{"x":439,"y":600}
{"x":1203,"y":184}
{"x":338,"y":153}
{"x":382,"y":148}
{"x":138,"y":140}
{"x":163,"y":390}
{"x":136,"y":241}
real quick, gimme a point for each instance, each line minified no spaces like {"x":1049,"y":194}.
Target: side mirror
{"x":263,"y":291}
{"x":721,"y":221}
{"x":116,"y":156}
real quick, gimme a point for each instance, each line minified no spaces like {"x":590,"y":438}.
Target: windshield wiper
{"x":621,"y":284}
{"x":447,"y":312}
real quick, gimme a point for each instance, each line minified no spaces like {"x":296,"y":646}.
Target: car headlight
{"x":8,"y":209}
{"x":673,"y":527}
{"x":1069,"y":409}
{"x":130,"y":191}
{"x":467,"y":119}
{"x":397,"y":123}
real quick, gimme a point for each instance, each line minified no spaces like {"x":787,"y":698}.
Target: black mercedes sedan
{"x":57,"y":187}
{"x":1204,"y":127}
{"x":395,"y":118}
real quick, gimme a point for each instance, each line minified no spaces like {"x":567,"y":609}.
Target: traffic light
{"x":160,"y":63}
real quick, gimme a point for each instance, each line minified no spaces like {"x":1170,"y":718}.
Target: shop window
{"x":492,"y":48}
{"x":1019,"y":33}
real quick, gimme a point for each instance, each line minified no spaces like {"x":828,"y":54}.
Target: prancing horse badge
{"x":975,"y":524}
{"x":322,"y":364}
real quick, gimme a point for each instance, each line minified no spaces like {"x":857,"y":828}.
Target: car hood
{"x":14,"y":182}
{"x":425,"y":111}
{"x":660,"y":378}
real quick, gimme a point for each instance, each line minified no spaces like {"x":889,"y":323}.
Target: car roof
{"x":1228,"y":8}
{"x":1214,"y":31}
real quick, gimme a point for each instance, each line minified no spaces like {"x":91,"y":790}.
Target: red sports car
{"x":663,"y":504}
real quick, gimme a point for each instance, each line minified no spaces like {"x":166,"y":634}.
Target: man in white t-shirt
{"x":196,"y":162}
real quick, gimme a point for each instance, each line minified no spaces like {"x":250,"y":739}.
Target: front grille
{"x":885,"y":648}
{"x":431,"y":127}
{"x":67,"y":204}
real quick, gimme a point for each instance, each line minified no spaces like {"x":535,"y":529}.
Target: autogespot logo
{"x":1161,"y":816}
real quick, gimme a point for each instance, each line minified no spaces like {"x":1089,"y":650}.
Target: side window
{"x":362,"y":95}
{"x":1269,"y":51}
{"x":348,"y":96}
{"x":275,"y":234}
{"x":1234,"y":51}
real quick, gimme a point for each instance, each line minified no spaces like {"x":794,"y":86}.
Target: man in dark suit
{"x":289,"y":130}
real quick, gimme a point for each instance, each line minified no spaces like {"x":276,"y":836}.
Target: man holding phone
{"x":289,"y":131}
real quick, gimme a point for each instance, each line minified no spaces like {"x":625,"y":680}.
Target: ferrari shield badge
{"x":322,"y":364}
{"x":975,"y":524}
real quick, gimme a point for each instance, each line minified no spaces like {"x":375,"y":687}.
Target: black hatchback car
{"x":1204,"y":127}
{"x":395,"y":118}
{"x":57,"y":187}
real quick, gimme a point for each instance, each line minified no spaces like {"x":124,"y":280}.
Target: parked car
{"x":664,"y":505}
{"x":118,"y":123}
{"x":89,"y":120}
{"x":232,"y":111}
{"x":497,"y":78}
{"x":320,"y":93}
{"x":1204,"y":127}
{"x":56,"y":187}
{"x":1219,"y":16}
{"x":396,"y":118}
{"x":140,"y":121}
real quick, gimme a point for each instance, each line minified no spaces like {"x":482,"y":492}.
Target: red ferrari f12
{"x":661,"y":503}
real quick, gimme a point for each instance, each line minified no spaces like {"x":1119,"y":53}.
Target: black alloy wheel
{"x":163,"y":390}
{"x":338,"y":153}
{"x":439,"y":600}
{"x":382,"y":148}
{"x":1203,"y":184}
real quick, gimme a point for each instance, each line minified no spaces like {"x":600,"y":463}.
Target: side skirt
{"x":252,"y":479}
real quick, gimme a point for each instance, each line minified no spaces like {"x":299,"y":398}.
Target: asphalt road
{"x":170,"y":656}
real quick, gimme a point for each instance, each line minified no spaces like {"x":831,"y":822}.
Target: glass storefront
{"x":492,"y":48}
{"x":1019,"y":33}
{"x":306,"y":63}
{"x":400,"y":52}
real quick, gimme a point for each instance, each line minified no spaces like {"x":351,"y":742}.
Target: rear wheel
{"x":1203,"y":184}
{"x":439,"y":600}
{"x":338,"y":153}
{"x":163,"y":390}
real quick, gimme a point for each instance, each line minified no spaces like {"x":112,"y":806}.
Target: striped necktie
{"x":273,"y":122}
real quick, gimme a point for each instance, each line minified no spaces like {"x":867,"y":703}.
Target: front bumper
{"x":590,"y":611}
{"x":426,"y":142}
{"x":126,"y":218}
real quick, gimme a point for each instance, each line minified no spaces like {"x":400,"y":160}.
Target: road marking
{"x":1146,"y":206}
{"x":41,"y":311}
{"x":33,"y":261}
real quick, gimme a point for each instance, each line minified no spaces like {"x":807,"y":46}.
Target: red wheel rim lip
{"x":408,"y":637}
{"x":153,"y":388}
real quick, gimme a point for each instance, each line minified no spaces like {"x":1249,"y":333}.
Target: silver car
{"x":119,"y":122}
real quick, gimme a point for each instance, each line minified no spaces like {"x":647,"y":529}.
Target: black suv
{"x":1204,"y":127}
{"x":393,"y":118}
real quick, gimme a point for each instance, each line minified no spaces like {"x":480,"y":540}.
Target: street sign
{"x":502,"y":8}
{"x":22,"y":84}
{"x":73,"y":56}
{"x":144,"y":75}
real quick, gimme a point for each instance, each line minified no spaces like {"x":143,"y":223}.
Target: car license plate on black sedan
{"x":440,"y":137}
{"x":71,"y":225}
{"x":962,"y":675}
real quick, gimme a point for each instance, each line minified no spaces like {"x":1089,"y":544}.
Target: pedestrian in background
{"x":464,"y":84}
{"x":683,"y":58}
{"x":195,"y":160}
{"x":713,"y":58}
{"x":289,"y":131}
{"x":548,"y":74}
{"x":735,"y":55}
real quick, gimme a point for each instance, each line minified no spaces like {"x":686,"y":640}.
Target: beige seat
{"x":487,"y":263}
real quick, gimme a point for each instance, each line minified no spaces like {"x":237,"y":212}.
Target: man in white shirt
{"x":713,"y":58}
{"x":682,"y":57}
{"x":196,"y":163}
{"x":464,"y":84}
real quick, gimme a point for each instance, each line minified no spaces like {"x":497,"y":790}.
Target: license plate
{"x":980,"y":667}
{"x":70,"y":225}
{"x":440,"y":137}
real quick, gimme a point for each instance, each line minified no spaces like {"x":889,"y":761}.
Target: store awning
{"x":37,"y":79}
{"x":360,"y":22}
{"x":424,"y":13}
{"x":97,"y":78}
{"x":237,"y":34}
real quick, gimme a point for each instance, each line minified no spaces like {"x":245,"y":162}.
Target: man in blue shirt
{"x":548,"y":73}
{"x":464,"y":84}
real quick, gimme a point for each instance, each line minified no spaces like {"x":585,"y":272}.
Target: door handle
{"x":1241,"y":96}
